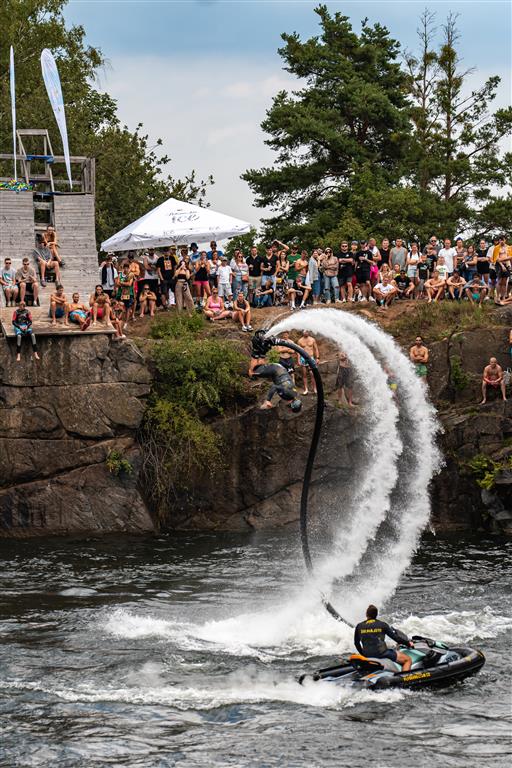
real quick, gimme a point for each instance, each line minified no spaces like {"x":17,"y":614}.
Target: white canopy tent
{"x":175,"y":223}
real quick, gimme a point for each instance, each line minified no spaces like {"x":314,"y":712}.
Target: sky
{"x":200,"y":74}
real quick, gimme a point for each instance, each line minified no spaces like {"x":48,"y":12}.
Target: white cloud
{"x":208,"y":114}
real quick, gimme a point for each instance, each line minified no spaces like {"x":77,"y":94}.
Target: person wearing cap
{"x":194,"y":252}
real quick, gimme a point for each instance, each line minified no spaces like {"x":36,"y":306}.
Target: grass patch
{"x":117,"y":464}
{"x":436,"y":321}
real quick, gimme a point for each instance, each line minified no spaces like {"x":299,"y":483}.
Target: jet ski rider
{"x":369,"y":639}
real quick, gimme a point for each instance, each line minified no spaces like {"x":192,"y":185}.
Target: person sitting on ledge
{"x":242,"y":312}
{"x":22,"y":324}
{"x":8,"y":282}
{"x":493,"y":377}
{"x":476,"y":290}
{"x":214,"y":309}
{"x":27,"y":281}
{"x":147,"y":301}
{"x":99,"y":302}
{"x":455,"y":284}
{"x":78,"y":313}
{"x":46,"y":260}
{"x":49,"y":240}
{"x":58,"y":304}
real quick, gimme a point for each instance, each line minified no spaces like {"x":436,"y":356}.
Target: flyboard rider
{"x":369,"y":639}
{"x":282,"y":382}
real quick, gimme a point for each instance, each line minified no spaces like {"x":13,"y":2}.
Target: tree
{"x":350,"y":117}
{"x":129,"y":177}
{"x":456,"y":160}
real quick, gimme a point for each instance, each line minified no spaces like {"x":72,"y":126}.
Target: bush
{"x":458,"y":376}
{"x":116,"y":464}
{"x":198,"y":376}
{"x":486,"y":469}
{"x":177,"y":325}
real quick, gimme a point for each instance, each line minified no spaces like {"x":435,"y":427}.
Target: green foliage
{"x":486,"y":469}
{"x":349,"y":116}
{"x":177,"y":325}
{"x":438,"y":320}
{"x":243,"y":242}
{"x":197,"y":377}
{"x":130,"y":175}
{"x":459,"y":379}
{"x":117,"y":464}
{"x":369,"y":145}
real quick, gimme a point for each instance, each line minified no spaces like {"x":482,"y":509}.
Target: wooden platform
{"x":42,"y":325}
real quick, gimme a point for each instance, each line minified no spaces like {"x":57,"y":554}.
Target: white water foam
{"x":277,"y":634}
{"x":411,"y":507}
{"x":372,"y":489}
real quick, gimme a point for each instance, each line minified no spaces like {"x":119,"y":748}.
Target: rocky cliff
{"x":60,"y":418}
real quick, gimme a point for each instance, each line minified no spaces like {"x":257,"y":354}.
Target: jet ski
{"x":434,"y":664}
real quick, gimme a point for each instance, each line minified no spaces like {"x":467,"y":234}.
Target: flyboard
{"x":434,"y":663}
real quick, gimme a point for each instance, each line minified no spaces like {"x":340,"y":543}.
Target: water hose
{"x":261,"y":344}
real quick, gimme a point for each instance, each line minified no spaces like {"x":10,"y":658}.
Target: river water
{"x":182,"y":651}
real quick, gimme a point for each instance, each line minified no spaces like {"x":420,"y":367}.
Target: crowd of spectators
{"x":284,"y":275}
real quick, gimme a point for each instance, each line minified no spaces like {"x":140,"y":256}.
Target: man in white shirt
{"x":448,"y":253}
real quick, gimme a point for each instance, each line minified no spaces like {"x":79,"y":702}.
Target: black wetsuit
{"x":369,"y":637}
{"x":282,"y":381}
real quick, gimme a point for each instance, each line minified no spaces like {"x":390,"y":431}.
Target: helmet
{"x":296,"y":405}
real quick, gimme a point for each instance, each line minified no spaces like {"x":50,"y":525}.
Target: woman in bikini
{"x":214,"y":309}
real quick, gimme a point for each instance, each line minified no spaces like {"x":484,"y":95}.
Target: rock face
{"x":59,"y":419}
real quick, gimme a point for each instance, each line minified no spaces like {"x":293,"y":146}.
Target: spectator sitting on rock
{"x":99,"y":302}
{"x":309,"y":345}
{"x":385,"y":291}
{"x":493,"y":377}
{"x":418,"y":355}
{"x":27,"y":281}
{"x":8,"y":283}
{"x":214,"y":309}
{"x":58,"y":305}
{"x":78,"y":313}
{"x":456,"y":285}
{"x":299,"y":291}
{"x":147,"y":301}
{"x":22,"y":324}
{"x":476,"y":290}
{"x":404,"y":285}
{"x":242,"y":312}
{"x":435,"y":287}
{"x":265,"y":296}
{"x":45,"y":258}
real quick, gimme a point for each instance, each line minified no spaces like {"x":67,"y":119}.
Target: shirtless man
{"x":493,"y":377}
{"x":308,"y":343}
{"x":455,"y":285}
{"x":58,"y":303}
{"x":287,"y":356}
{"x":78,"y":313}
{"x":418,"y":355}
{"x":435,"y":287}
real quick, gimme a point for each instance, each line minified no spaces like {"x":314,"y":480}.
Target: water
{"x":182,"y":651}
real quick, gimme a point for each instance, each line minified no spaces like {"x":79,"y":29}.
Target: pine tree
{"x":349,"y":120}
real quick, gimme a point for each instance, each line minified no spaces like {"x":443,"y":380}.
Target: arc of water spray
{"x":343,"y":327}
